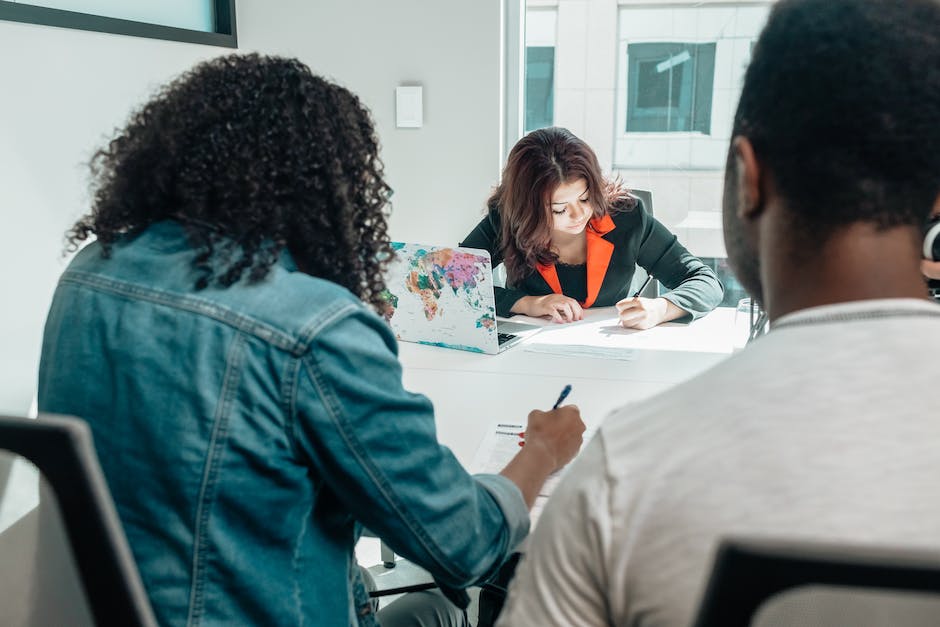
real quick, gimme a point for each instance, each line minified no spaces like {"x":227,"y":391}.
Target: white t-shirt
{"x":825,"y":429}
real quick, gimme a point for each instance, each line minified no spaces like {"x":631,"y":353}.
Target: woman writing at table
{"x":571,"y":239}
{"x":220,"y":336}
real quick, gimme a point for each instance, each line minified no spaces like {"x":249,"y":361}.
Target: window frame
{"x":224,"y":34}
{"x":666,"y":138}
{"x":512,"y":74}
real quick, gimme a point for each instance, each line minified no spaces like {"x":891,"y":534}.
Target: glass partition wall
{"x":652,"y":86}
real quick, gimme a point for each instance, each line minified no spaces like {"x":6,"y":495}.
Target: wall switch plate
{"x":409,"y":108}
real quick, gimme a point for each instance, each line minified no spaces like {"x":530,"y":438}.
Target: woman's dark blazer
{"x":616,"y":244}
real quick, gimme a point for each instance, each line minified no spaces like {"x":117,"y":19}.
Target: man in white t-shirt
{"x":828,"y":427}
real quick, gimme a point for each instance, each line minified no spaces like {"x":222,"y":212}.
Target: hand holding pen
{"x":565,"y":391}
{"x":643,"y":313}
{"x":552,"y":439}
{"x":636,"y":312}
{"x":557,"y":432}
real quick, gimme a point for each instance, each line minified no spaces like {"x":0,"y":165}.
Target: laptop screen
{"x":442,"y":296}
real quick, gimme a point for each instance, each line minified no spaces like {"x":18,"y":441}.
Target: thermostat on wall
{"x":409,"y":110}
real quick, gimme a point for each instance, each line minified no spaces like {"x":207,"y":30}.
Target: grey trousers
{"x":428,"y":608}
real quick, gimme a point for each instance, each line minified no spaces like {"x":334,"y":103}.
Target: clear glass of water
{"x":744,"y":316}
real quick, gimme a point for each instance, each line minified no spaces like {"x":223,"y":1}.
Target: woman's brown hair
{"x":537,"y":164}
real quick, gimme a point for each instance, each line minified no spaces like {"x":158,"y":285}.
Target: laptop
{"x":443,"y":296}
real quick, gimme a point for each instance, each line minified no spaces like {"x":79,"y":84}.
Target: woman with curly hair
{"x":245,"y":399}
{"x":570,"y":239}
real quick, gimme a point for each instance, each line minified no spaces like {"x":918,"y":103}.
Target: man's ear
{"x":751,"y":201}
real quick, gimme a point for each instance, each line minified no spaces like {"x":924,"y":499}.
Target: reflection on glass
{"x":670,"y":87}
{"x":187,"y":14}
{"x":539,"y":87}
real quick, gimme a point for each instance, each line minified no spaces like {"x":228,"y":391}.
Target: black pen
{"x":561,"y":397}
{"x":649,"y":277}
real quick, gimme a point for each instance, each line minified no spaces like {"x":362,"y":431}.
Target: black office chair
{"x":646,"y":197}
{"x":65,"y":561}
{"x":769,"y":583}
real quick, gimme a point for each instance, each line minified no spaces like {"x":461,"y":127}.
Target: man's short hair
{"x":841,"y":102}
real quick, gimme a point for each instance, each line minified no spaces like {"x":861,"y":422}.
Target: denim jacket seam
{"x":378,"y":479}
{"x":297,"y":593}
{"x":207,"y":488}
{"x":336,"y":312}
{"x":289,"y":403}
{"x":219,"y":313}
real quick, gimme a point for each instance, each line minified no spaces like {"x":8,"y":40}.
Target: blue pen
{"x":561,"y":397}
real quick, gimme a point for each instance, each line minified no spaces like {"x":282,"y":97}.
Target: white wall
{"x":442,"y":172}
{"x":62,"y":92}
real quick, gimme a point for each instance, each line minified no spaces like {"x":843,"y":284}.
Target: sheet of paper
{"x":606,"y":339}
{"x":602,"y":339}
{"x":578,"y":350}
{"x":500,"y":445}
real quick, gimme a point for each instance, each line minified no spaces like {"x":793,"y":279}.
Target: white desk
{"x":470,"y":390}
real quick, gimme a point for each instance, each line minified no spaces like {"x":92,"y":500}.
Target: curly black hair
{"x":842,"y":101}
{"x":251,"y":154}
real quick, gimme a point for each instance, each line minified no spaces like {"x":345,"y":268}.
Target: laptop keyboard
{"x":502,"y":338}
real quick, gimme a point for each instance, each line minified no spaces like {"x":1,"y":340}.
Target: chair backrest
{"x":764,"y":582}
{"x":639,"y":277}
{"x":646,"y":197}
{"x":64,"y":558}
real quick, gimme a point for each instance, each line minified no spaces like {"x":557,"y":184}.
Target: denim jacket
{"x":247,"y":434}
